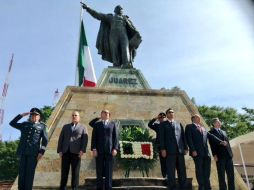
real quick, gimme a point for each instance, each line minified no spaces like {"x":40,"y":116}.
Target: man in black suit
{"x":197,"y":136}
{"x":173,"y":147}
{"x":154,"y":124}
{"x":223,"y":156}
{"x":71,"y":147}
{"x":104,"y":146}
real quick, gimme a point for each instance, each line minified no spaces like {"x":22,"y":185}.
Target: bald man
{"x":71,"y":147}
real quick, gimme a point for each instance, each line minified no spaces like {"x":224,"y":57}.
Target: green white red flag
{"x":85,"y":75}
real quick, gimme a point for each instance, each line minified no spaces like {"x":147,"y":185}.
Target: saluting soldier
{"x":32,"y":145}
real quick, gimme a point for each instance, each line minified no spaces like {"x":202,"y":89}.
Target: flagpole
{"x":244,"y":166}
{"x":4,"y":94}
{"x":76,"y":71}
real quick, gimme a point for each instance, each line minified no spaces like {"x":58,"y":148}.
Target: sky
{"x":204,"y":47}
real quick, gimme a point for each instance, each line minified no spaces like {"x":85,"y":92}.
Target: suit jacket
{"x":172,"y":137}
{"x":220,"y":150}
{"x":34,"y":137}
{"x":196,"y":140}
{"x":73,"y":141}
{"x":104,"y":137}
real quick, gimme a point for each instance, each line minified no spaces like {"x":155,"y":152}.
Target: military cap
{"x":35,"y":111}
{"x":162,"y":114}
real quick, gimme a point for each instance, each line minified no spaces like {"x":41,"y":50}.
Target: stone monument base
{"x":112,"y":77}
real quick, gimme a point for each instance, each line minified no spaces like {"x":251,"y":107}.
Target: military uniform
{"x":33,"y":141}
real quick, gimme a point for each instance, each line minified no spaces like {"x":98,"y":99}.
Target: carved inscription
{"x":115,"y":80}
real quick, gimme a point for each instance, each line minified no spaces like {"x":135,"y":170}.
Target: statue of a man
{"x":117,"y":39}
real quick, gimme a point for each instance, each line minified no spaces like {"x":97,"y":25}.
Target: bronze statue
{"x":117,"y":39}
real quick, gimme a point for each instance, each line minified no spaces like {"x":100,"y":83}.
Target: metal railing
{"x":248,"y":178}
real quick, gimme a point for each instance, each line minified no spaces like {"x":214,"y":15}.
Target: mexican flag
{"x":85,"y":75}
{"x":136,"y":150}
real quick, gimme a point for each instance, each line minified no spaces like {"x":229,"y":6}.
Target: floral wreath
{"x":137,"y":150}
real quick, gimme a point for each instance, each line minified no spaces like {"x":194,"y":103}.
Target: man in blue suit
{"x":197,"y":136}
{"x":32,"y":145}
{"x":173,"y":147}
{"x":104,"y":146}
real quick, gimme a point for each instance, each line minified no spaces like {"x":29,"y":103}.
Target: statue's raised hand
{"x":84,"y":6}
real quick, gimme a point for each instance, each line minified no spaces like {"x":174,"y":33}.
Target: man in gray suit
{"x":71,"y":146}
{"x":173,"y":147}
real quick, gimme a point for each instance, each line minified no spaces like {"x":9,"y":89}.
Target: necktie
{"x":200,"y":129}
{"x":73,"y":127}
{"x":220,"y":132}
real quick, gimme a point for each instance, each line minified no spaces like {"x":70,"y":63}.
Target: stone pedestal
{"x":122,"y":78}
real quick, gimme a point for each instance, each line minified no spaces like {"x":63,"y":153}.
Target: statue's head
{"x":118,"y":10}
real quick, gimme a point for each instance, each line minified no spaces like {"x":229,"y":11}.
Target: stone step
{"x":113,"y":188}
{"x":137,"y":188}
{"x":137,"y":183}
{"x":140,"y":188}
{"x":146,"y":183}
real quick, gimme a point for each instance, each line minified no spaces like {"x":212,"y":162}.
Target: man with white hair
{"x":71,"y":147}
{"x":223,"y":156}
{"x":104,"y":146}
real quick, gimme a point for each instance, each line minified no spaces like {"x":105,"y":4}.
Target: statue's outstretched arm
{"x":95,"y":14}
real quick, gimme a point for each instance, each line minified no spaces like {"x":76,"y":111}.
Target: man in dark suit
{"x":71,"y":147}
{"x":173,"y":147}
{"x":104,"y":146}
{"x":223,"y":156}
{"x":154,"y":124}
{"x":32,"y":145}
{"x":197,"y":136}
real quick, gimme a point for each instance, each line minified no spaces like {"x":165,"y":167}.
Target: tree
{"x":8,"y":160}
{"x":46,"y":112}
{"x":234,"y":123}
